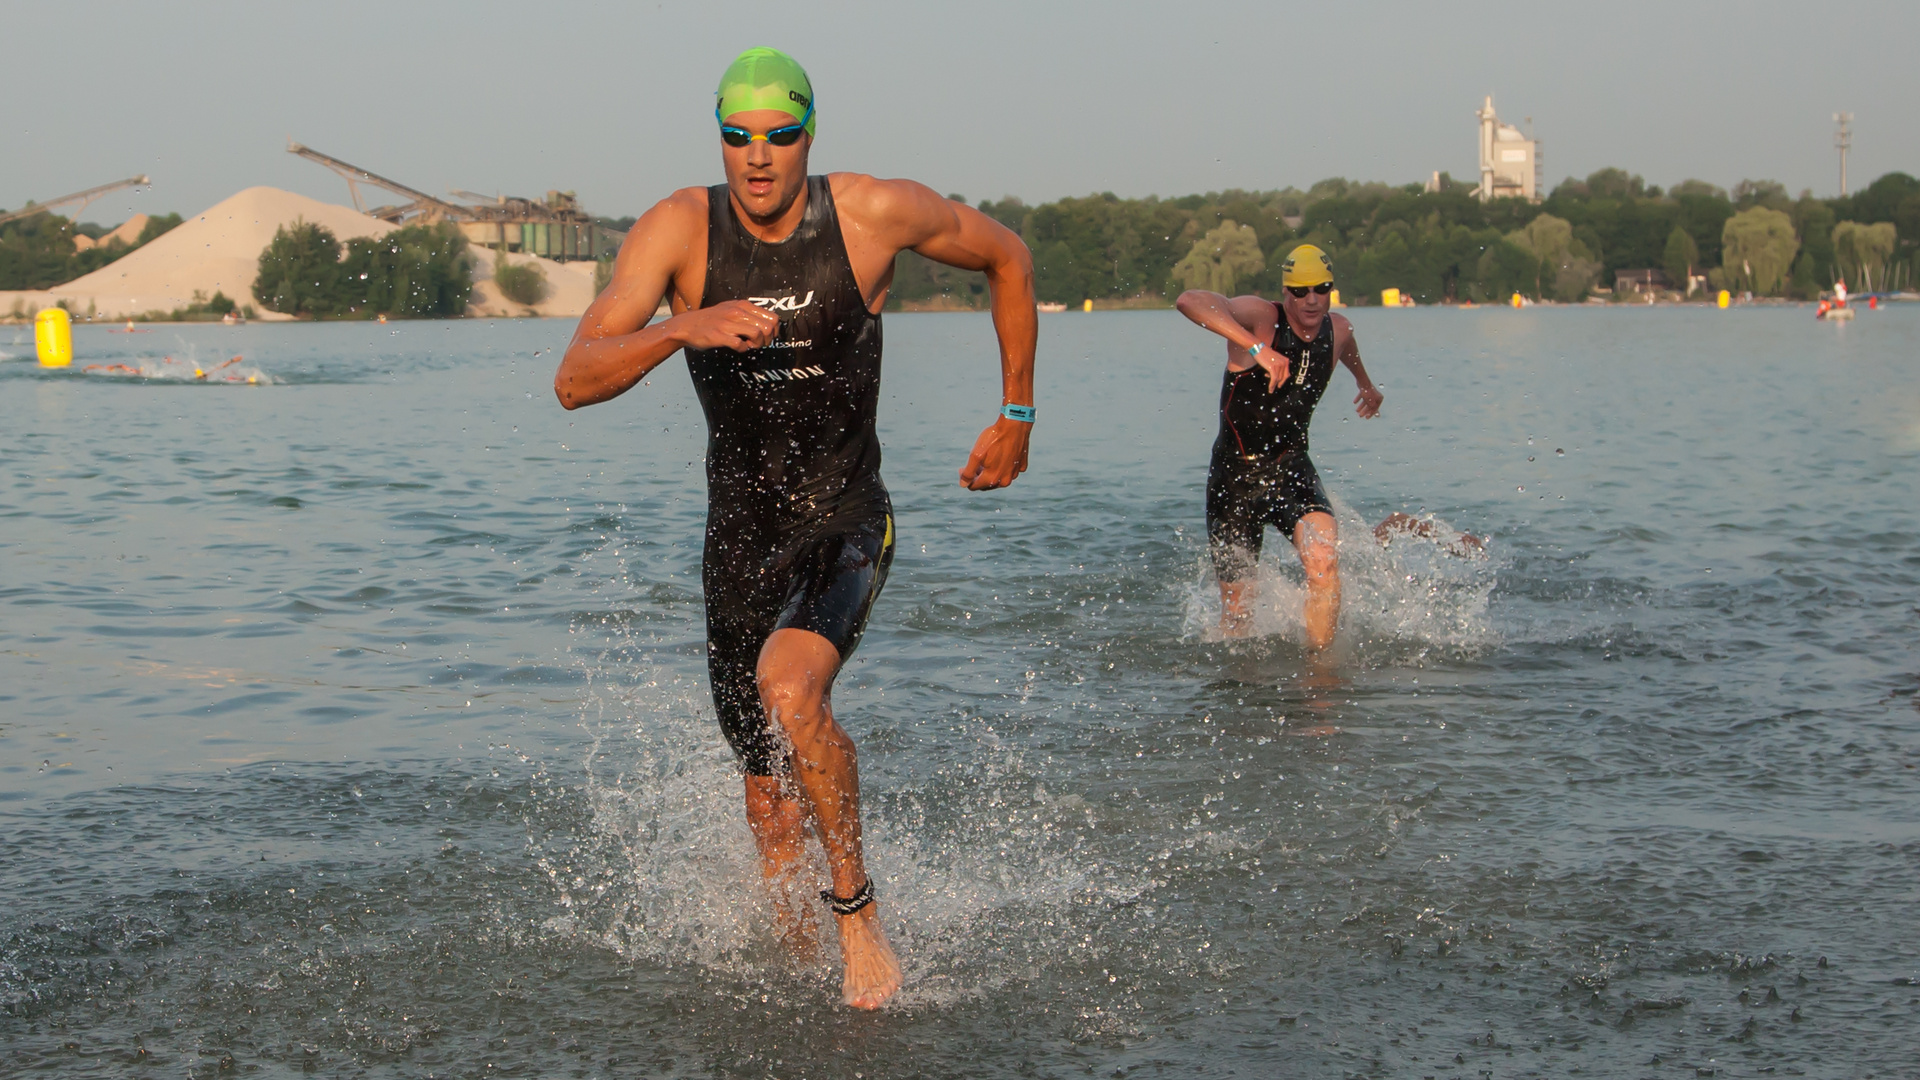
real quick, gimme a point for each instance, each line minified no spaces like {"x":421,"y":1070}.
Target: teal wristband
{"x":1253,"y":350}
{"x":1022,"y":413}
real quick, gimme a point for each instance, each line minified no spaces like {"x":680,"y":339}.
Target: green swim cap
{"x":766,"y":79}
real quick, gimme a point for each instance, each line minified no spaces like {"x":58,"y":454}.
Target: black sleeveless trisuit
{"x":1260,"y":474}
{"x":799,"y":526}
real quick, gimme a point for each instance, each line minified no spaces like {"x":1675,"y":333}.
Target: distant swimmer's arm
{"x":905,"y":215}
{"x":1245,"y":321}
{"x":1367,"y":402}
{"x":614,"y":348}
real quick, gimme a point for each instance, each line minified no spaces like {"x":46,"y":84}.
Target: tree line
{"x":1447,"y":246}
{"x":38,"y":252}
{"x":416,"y":272}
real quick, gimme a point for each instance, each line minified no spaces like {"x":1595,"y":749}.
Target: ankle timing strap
{"x":850,"y":904}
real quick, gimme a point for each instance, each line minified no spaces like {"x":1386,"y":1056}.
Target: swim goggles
{"x":780,"y":136}
{"x":1299,"y":291}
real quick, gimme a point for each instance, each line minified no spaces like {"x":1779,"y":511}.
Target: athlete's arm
{"x":1245,"y":321}
{"x":899,"y":214}
{"x":1347,"y":351}
{"x":614,"y":348}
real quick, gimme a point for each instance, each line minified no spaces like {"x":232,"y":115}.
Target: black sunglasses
{"x":780,"y":136}
{"x":1300,"y":291}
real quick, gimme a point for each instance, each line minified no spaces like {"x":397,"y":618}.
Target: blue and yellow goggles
{"x":780,"y":136}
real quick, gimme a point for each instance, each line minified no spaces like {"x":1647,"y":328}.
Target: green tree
{"x":38,"y":252}
{"x":1615,"y":184}
{"x":157,"y":226}
{"x":1768,"y":193}
{"x":522,"y":283}
{"x":1757,"y":247}
{"x":1804,"y":282}
{"x":1227,"y":254}
{"x":419,"y":272}
{"x":1680,"y":258}
{"x":299,"y":271}
{"x":1813,"y":222}
{"x":1878,"y":201}
{"x":1907,"y":218}
{"x":1698,"y":188}
{"x":1705,"y":219}
{"x":1861,"y":252}
{"x":1564,"y":267}
{"x":1505,"y":268}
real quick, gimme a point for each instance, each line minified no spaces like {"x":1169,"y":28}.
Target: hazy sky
{"x":982,"y":98}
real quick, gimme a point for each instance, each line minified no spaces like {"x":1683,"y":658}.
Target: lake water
{"x":354,"y":721}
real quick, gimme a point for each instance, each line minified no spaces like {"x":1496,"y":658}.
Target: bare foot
{"x":873,"y":972}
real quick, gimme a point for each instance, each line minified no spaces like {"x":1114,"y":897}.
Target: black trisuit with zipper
{"x":799,"y":526}
{"x":1260,"y":474}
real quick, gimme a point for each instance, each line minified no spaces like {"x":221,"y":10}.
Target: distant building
{"x":1507,"y":159}
{"x":1640,"y":281}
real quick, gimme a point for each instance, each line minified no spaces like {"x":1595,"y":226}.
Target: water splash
{"x":1428,"y":590}
{"x":189,"y":369}
{"x":971,"y":853}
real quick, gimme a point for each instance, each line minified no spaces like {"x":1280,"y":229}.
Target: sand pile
{"x":569,"y":286}
{"x":219,"y":251}
{"x":214,"y":251}
{"x":127,"y":233}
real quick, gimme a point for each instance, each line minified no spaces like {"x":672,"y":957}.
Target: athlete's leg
{"x":739,"y":618}
{"x":1314,"y":537}
{"x":778,"y":816}
{"x":1233,"y":543}
{"x":796,"y":673}
{"x":1234,"y":618}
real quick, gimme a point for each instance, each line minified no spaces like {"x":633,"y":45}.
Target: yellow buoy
{"x":1518,"y":300}
{"x":1389,"y":297}
{"x":1088,"y":306}
{"x":53,"y":337}
{"x":1333,"y":299}
{"x":1725,"y":298}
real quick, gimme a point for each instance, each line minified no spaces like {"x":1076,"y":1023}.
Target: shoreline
{"x":923,"y":308}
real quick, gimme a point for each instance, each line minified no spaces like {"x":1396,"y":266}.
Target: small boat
{"x":1835,"y":309}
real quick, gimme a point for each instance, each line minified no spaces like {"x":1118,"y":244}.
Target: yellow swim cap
{"x":1306,"y":265}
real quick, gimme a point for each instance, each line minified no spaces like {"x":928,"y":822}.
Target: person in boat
{"x":776,"y":281}
{"x":1280,"y":358}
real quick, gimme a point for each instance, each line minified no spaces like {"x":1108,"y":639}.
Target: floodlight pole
{"x":1843,"y":140}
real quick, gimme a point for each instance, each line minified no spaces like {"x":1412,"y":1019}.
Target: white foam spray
{"x":1414,"y":589}
{"x":186,"y":368}
{"x":667,"y":870}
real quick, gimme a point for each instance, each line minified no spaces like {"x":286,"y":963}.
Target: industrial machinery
{"x":81,"y":197}
{"x":554,"y":228}
{"x":1509,"y":160}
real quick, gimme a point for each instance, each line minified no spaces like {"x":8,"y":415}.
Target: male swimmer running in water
{"x":776,"y":281}
{"x":1260,"y":474}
